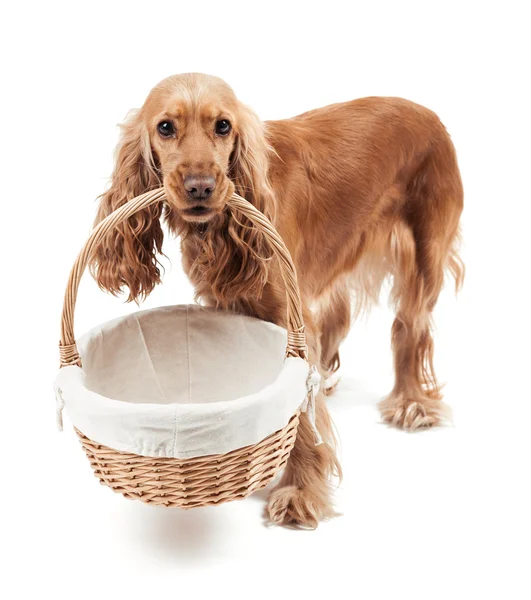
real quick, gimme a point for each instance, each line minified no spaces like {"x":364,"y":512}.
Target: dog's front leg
{"x":304,"y":495}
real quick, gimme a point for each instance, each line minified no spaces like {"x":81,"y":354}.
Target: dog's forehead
{"x":193,"y":94}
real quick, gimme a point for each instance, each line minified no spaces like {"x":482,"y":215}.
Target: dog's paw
{"x":290,"y":505}
{"x":413,"y":413}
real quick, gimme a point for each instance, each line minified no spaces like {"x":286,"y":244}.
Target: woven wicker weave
{"x":205,"y":480}
{"x":195,"y":481}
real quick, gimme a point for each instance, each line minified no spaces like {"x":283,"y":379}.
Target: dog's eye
{"x":166,"y":129}
{"x":223,"y":127}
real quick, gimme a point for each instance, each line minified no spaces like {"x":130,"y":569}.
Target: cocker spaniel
{"x":359,"y":191}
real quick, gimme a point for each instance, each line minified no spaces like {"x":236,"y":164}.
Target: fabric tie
{"x":59,"y":405}
{"x":308,"y":406}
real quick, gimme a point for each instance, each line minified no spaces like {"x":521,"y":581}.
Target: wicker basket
{"x":195,"y":480}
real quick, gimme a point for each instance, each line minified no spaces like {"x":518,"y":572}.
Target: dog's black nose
{"x":199,"y":187}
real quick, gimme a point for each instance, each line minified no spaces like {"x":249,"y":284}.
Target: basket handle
{"x":296,"y":337}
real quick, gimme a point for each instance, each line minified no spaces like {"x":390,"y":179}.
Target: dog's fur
{"x":359,"y":191}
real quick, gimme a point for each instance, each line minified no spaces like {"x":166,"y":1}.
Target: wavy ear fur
{"x":233,"y":259}
{"x":250,"y":163}
{"x":128,"y":256}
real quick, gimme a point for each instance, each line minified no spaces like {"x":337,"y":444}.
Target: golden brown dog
{"x":359,"y":191}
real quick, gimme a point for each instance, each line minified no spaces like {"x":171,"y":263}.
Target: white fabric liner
{"x":182,"y":381}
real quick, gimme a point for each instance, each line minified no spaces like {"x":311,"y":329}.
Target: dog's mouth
{"x":198,"y":213}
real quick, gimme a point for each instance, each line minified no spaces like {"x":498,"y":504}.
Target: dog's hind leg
{"x":423,"y":247}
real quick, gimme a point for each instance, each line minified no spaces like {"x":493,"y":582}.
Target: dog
{"x":359,"y":191}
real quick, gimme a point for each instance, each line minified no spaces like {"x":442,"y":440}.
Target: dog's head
{"x":200,"y":139}
{"x":195,"y":138}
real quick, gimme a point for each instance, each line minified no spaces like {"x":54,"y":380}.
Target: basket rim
{"x":184,"y":430}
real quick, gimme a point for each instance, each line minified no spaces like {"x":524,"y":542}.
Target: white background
{"x":438,"y":514}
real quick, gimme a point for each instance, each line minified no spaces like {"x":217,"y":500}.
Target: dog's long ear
{"x":250,"y":162}
{"x":234,"y":259}
{"x":128,"y":256}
